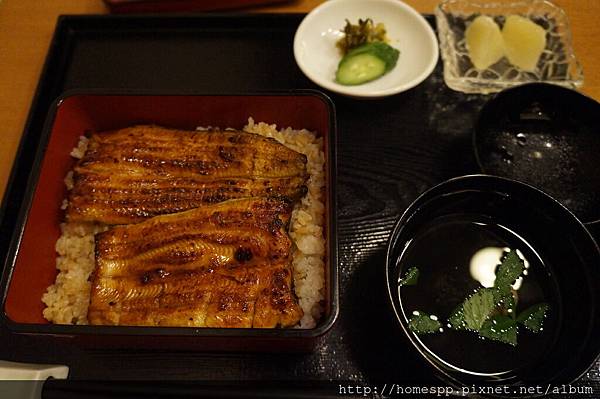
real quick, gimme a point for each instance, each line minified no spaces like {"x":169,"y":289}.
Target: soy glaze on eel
{"x":132,"y":174}
{"x":220,"y":265}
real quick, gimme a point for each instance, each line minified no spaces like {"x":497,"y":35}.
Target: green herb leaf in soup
{"x":533,"y":318}
{"x":500,"y":328}
{"x":411,"y":277}
{"x":489,"y":312}
{"x":509,"y":271}
{"x":505,"y":301}
{"x":422,"y":323}
{"x":478,"y":307}
{"x":457,"y":319}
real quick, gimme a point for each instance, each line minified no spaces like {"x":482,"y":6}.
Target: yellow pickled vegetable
{"x":524,"y":42}
{"x":484,"y":42}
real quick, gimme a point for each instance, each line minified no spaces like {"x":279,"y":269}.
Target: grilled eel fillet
{"x":132,"y":174}
{"x":220,"y":265}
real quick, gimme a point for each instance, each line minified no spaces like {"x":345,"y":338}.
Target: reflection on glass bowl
{"x":557,"y":63}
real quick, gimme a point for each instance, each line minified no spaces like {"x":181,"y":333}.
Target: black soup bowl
{"x":547,"y":136}
{"x":455,"y":235}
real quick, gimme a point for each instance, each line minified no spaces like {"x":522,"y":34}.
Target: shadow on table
{"x":374,"y":335}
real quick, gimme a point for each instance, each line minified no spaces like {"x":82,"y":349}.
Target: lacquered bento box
{"x":29,"y":263}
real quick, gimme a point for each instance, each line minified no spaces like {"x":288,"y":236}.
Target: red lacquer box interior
{"x":30,"y":264}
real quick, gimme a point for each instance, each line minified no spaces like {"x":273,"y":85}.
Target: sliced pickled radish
{"x":524,"y":42}
{"x":484,"y":42}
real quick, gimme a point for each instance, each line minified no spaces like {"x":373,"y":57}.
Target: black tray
{"x":390,"y":151}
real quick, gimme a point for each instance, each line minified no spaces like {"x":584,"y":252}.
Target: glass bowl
{"x":557,"y":64}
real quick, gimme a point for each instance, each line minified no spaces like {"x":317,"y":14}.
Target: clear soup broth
{"x":455,"y":255}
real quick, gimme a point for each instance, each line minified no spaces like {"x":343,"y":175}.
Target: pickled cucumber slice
{"x":360,"y":68}
{"x":365,"y":63}
{"x":524,"y":42}
{"x":484,"y":42}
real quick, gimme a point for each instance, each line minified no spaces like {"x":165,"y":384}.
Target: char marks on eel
{"x":221,"y":265}
{"x":135,"y":173}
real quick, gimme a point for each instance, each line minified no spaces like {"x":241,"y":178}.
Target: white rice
{"x":79,"y":151}
{"x":68,"y":298}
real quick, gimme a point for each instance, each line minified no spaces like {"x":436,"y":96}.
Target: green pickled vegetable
{"x":366,"y":63}
{"x":366,"y":31}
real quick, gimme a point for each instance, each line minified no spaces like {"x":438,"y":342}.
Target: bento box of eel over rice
{"x":178,"y":220}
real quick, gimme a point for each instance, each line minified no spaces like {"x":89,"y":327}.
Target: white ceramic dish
{"x":318,"y":57}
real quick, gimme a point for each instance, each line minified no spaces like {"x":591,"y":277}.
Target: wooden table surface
{"x":26,"y":27}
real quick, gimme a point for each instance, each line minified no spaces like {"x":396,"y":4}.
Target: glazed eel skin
{"x":132,"y":174}
{"x":219,"y":265}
